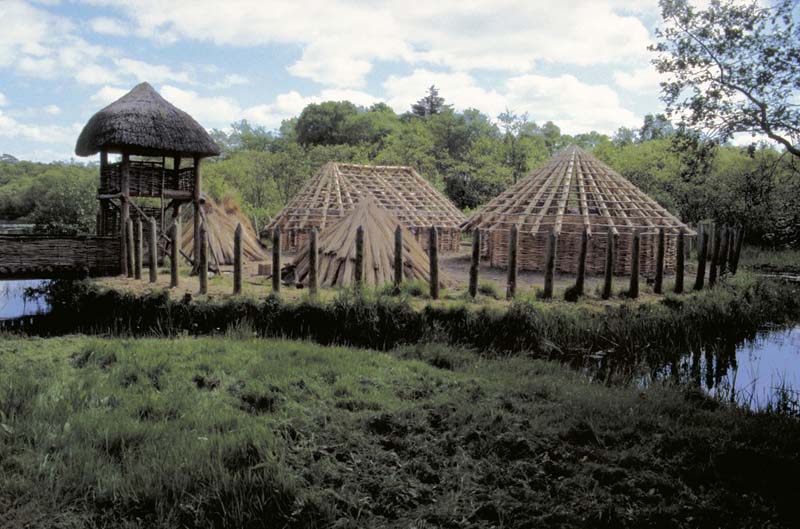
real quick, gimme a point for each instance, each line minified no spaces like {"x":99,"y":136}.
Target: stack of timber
{"x":221,"y":220}
{"x":337,"y":249}
{"x":338,"y":187}
{"x":571,"y":193}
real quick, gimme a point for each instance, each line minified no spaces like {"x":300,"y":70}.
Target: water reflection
{"x":754,"y":372}
{"x":15,"y":303}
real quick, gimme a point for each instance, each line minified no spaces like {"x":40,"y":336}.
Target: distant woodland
{"x":468,"y":155}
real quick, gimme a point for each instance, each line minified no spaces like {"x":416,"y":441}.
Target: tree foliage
{"x":733,"y":67}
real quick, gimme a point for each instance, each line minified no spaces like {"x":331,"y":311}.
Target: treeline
{"x":468,"y":155}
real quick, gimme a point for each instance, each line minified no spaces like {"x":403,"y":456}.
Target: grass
{"x":770,"y":261}
{"x":232,"y":432}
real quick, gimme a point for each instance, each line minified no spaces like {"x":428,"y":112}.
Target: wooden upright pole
{"x":313,"y":257}
{"x":196,"y":194}
{"x":712,"y":270}
{"x":658,"y":287}
{"x":702,"y":253}
{"x":138,"y":249}
{"x":680,"y":257}
{"x":550,"y":264}
{"x":511,"y":286}
{"x":129,"y":245}
{"x":203,"y":259}
{"x":433,"y":255}
{"x":633,"y":290}
{"x":276,"y":260}
{"x":474,"y":268}
{"x":738,"y":251}
{"x":580,"y":281}
{"x":609,"y":268}
{"x":153,"y":247}
{"x":125,"y":214}
{"x":237,"y":260}
{"x":398,"y":258}
{"x":723,"y":251}
{"x":358,"y":273}
{"x":175,"y":253}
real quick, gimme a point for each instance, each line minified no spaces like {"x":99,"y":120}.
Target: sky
{"x":582,"y":64}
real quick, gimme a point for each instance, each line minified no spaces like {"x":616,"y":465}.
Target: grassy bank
{"x":771,"y":261}
{"x":736,"y":307}
{"x":215,"y":432}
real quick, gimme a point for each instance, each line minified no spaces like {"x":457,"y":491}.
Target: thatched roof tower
{"x":337,"y":250}
{"x":338,"y":187}
{"x":161,"y":147}
{"x":572,"y":191}
{"x":143,"y":123}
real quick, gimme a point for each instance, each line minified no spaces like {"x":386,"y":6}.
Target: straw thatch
{"x":338,"y":187}
{"x":572,"y":191}
{"x":221,"y":221}
{"x":143,"y":123}
{"x":337,"y":250}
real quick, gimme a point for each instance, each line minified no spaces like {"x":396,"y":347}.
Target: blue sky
{"x":582,"y":64}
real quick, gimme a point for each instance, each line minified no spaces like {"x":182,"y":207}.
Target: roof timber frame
{"x":573,"y":191}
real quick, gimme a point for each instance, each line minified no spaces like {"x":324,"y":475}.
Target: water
{"x":14,"y":302}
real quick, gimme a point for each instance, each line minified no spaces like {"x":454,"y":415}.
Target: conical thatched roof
{"x":574,"y":189}
{"x":338,"y":187}
{"x":144,"y":123}
{"x":221,"y":221}
{"x":337,"y":250}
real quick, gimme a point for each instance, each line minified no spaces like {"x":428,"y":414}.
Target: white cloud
{"x":153,"y":73}
{"x":109,"y":26}
{"x":233,"y":79}
{"x":342,"y":40}
{"x":11,"y":128}
{"x":3,"y":100}
{"x":645,"y":79}
{"x":210,"y":111}
{"x":107,"y":95}
{"x":458,"y":89}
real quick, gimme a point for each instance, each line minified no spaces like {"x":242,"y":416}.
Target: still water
{"x":14,"y":302}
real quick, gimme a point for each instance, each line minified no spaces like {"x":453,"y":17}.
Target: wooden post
{"x":738,"y":251}
{"x":398,"y":258}
{"x":731,"y":249}
{"x":550,"y":264}
{"x":679,"y":262}
{"x":633,"y":290}
{"x":358,"y":273}
{"x":125,"y":214}
{"x":138,"y":249}
{"x":581,"y":279}
{"x":197,"y":213}
{"x":175,"y":253}
{"x":203,"y":260}
{"x":712,"y":269}
{"x":702,"y":253}
{"x":609,"y":270}
{"x":129,"y":245}
{"x":511,"y":286}
{"x":313,"y":257}
{"x":723,"y":251}
{"x":276,"y":259}
{"x":433,"y":254}
{"x":658,"y":287}
{"x":474,"y":267}
{"x":153,"y":247}
{"x":237,"y":260}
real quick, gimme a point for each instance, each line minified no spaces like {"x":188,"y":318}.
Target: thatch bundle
{"x":221,"y":221}
{"x":144,"y":123}
{"x":337,"y":250}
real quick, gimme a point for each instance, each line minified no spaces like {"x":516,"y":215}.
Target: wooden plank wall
{"x":46,"y":256}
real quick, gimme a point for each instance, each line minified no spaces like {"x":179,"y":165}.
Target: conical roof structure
{"x":572,"y":190}
{"x":337,"y":250}
{"x":221,"y":220}
{"x":338,"y":187}
{"x":143,"y":123}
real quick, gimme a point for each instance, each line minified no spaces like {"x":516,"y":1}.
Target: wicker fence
{"x":45,"y":257}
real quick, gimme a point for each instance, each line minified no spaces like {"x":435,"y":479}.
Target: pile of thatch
{"x":337,"y":251}
{"x":221,"y":221}
{"x":142,"y":122}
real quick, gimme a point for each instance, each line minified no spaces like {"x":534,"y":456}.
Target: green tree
{"x":732,"y":67}
{"x":325,"y":123}
{"x":430,"y":105}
